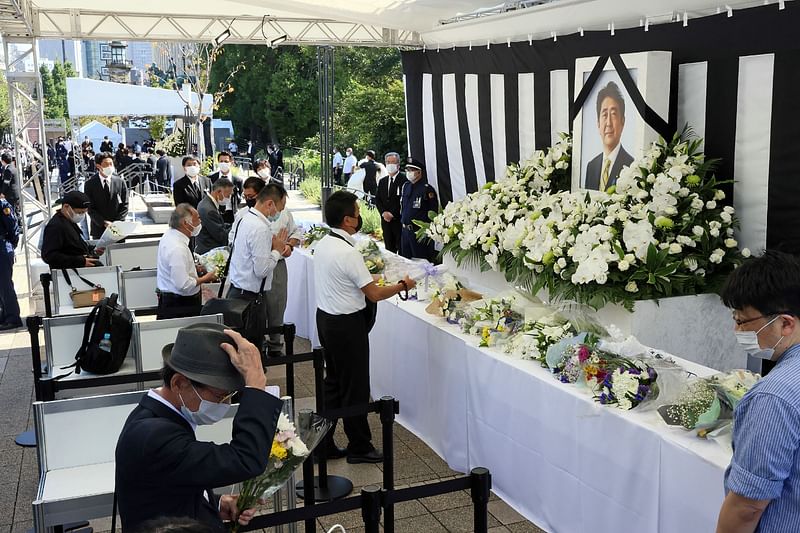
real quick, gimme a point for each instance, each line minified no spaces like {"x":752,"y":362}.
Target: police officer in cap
{"x":418,"y":198}
{"x":9,"y":236}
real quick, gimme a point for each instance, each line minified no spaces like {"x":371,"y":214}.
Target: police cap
{"x":415,"y":163}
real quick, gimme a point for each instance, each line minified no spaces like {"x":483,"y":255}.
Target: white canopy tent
{"x":86,"y":97}
{"x":95,"y":131}
{"x":357,"y":22}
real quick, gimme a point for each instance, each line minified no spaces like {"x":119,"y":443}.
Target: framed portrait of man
{"x":609,"y":131}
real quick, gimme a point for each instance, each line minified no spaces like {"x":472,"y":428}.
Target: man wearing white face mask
{"x":190,"y":188}
{"x":162,"y":470}
{"x":225,"y":165}
{"x":108,"y":195}
{"x":762,"y":483}
{"x":264,"y":170}
{"x":215,"y":230}
{"x":63,"y":245}
{"x":387,"y":201}
{"x":255,"y":253}
{"x":177,"y":280}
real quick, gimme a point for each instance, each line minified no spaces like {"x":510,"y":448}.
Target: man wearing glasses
{"x":162,"y":470}
{"x":762,"y":483}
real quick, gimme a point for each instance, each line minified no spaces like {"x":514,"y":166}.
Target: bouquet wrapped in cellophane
{"x":707,"y":404}
{"x":293,"y":443}
{"x":373,"y":258}
{"x":314,"y":234}
{"x":214,"y":260}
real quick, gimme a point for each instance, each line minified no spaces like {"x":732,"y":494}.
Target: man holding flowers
{"x":161,"y":468}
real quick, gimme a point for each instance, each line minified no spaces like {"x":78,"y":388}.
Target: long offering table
{"x":559,"y":458}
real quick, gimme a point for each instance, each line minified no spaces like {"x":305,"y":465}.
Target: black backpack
{"x":106,"y":317}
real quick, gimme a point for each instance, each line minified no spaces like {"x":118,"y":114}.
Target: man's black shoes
{"x":372,"y":456}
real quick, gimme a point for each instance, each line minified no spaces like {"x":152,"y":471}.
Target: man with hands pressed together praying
{"x":161,"y":468}
{"x":762,"y":483}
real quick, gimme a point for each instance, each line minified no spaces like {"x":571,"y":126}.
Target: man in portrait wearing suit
{"x":191,"y":187}
{"x":603,"y":170}
{"x":108,"y":195}
{"x":387,"y":200}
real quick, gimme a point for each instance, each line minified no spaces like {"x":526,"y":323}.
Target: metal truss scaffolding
{"x":326,"y":84}
{"x":27,"y":119}
{"x":105,"y":25}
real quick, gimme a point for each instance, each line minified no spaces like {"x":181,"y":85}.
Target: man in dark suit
{"x":162,"y":470}
{"x":163,"y":169}
{"x":8,"y":185}
{"x":602,"y":171}
{"x":191,"y":187}
{"x":106,"y":145}
{"x":63,"y":245}
{"x":225,"y":166}
{"x":387,"y":200}
{"x":214,"y":231}
{"x":108,"y":195}
{"x":370,"y":172}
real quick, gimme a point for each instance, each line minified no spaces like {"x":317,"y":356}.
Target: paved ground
{"x":415,"y":463}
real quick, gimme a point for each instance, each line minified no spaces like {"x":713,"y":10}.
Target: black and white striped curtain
{"x":735,"y":81}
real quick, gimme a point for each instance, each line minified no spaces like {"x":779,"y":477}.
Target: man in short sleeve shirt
{"x":762,"y":483}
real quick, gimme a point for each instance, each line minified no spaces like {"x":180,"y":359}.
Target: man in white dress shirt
{"x":338,"y":163}
{"x":350,"y":163}
{"x":176,"y":273}
{"x":255,"y":254}
{"x":344,"y":320}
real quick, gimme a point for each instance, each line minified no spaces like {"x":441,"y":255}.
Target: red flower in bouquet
{"x":583,"y":353}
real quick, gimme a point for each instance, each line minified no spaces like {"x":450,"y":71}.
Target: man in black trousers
{"x":344,"y":320}
{"x":163,"y":169}
{"x":388,"y":202}
{"x":108,"y":195}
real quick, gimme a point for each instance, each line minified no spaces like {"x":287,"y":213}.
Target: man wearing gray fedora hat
{"x":161,"y":468}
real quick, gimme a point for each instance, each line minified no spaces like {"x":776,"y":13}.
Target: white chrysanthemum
{"x":731,"y":243}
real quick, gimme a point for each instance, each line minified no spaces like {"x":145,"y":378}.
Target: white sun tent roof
{"x":153,"y":19}
{"x":86,"y":97}
{"x":96,"y":131}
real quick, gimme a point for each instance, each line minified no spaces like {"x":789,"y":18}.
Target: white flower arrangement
{"x":658,"y":232}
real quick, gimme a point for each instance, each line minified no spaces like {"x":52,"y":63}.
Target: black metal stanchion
{"x":481,"y":486}
{"x":388,"y":408}
{"x":288,"y":343}
{"x":27,"y":439}
{"x":308,"y":477}
{"x":371,"y":508}
{"x":45,"y":280}
{"x":326,"y":488}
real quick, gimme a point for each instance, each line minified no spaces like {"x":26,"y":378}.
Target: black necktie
{"x":105,"y":187}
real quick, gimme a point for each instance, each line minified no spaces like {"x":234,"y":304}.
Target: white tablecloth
{"x":301,"y":299}
{"x":560,"y":459}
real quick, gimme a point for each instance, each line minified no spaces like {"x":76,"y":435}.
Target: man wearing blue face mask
{"x":162,"y":470}
{"x":762,"y":483}
{"x":255,"y":253}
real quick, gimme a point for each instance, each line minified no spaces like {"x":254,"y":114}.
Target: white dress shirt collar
{"x":612,"y":156}
{"x":156,"y":396}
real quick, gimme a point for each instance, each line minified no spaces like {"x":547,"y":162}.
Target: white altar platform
{"x":560,"y":459}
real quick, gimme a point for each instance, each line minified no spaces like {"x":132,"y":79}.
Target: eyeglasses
{"x":223,"y":399}
{"x":768,"y":315}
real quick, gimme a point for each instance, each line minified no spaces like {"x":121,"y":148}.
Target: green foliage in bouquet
{"x":661,"y":231}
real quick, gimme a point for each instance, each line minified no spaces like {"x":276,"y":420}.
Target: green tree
{"x":372,"y":117}
{"x":5,"y":116}
{"x":53,"y":107}
{"x":276,"y":98}
{"x":157,"y":127}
